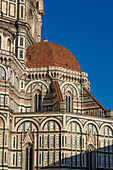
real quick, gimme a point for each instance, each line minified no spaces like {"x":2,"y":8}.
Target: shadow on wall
{"x":99,"y":159}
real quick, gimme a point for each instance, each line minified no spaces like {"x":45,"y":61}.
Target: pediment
{"x":28,"y":138}
{"x":90,"y":139}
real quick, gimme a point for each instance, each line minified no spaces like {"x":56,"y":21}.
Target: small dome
{"x":45,"y":54}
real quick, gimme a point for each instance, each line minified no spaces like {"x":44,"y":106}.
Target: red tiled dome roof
{"x":45,"y":53}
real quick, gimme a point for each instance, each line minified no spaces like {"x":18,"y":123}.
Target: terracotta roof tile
{"x":45,"y":53}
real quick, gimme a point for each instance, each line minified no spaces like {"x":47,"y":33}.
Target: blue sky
{"x":85,"y":27}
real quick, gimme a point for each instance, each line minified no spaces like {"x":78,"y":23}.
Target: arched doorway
{"x":91,"y":157}
{"x":28,"y":143}
{"x":28,"y":156}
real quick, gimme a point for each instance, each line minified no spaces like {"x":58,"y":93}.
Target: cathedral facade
{"x":48,"y":117}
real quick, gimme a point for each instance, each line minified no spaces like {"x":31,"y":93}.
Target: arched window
{"x":51,"y":141}
{"x":38,"y":101}
{"x":9,"y":45}
{"x":106,"y":139}
{"x":2,"y":73}
{"x":0,"y":42}
{"x":74,"y":136}
{"x":30,"y":18}
{"x":11,"y":76}
{"x":69,"y":102}
{"x":31,"y":22}
{"x":16,"y":83}
{"x":35,"y":102}
{"x":1,"y":123}
{"x":37,"y":5}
